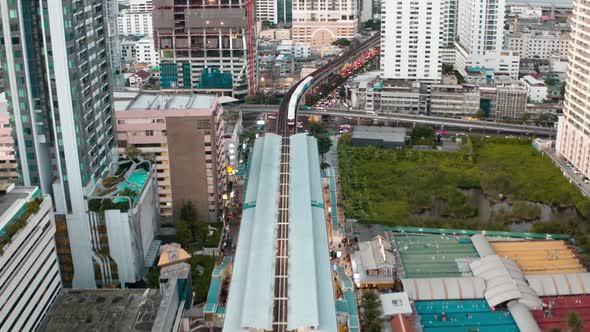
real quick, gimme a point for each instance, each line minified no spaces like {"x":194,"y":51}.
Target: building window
{"x":149,"y":133}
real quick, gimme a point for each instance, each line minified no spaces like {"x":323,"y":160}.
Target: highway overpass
{"x":438,"y":122}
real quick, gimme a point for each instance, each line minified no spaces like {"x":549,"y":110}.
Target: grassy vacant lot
{"x":395,"y":186}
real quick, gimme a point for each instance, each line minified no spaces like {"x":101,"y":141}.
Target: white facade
{"x":30,"y":279}
{"x":140,"y":5}
{"x":526,"y":12}
{"x":480,"y":30}
{"x":266,"y":10}
{"x":146,"y":53}
{"x":129,"y":234}
{"x":132,"y":23}
{"x":410,"y":40}
{"x":142,"y":50}
{"x":536,"y":88}
{"x":538,"y":44}
{"x":301,"y":50}
{"x":365,"y":10}
{"x":321,"y":22}
{"x":501,"y":62}
{"x":573,"y":140}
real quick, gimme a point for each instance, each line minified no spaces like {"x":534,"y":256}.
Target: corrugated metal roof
{"x":311,"y":299}
{"x":444,"y":288}
{"x":560,"y":284}
{"x":250,"y":300}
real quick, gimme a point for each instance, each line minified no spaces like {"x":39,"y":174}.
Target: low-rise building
{"x":139,"y":50}
{"x":153,"y":310}
{"x":511,"y":99}
{"x":454,"y":99}
{"x":184,"y":132}
{"x":538,"y":44}
{"x":384,"y":137}
{"x":30,"y":279}
{"x":373,"y":264}
{"x":537,"y":89}
{"x":139,"y":78}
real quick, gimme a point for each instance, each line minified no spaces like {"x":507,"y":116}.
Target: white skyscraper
{"x":410,"y":40}
{"x":573,"y":132}
{"x":480,"y":30}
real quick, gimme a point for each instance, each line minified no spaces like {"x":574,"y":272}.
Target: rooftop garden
{"x":15,"y":225}
{"x":118,"y":191}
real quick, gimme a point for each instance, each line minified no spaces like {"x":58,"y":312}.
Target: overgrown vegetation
{"x":396,"y":186}
{"x":201,"y":280}
{"x":371,"y":312}
{"x":188,"y":227}
{"x":19,"y":223}
{"x":320,"y":132}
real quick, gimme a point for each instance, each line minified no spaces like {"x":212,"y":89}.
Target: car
{"x":576,"y":171}
{"x":304,"y":108}
{"x":586,"y":181}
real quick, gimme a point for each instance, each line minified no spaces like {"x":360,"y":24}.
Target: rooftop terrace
{"x":428,"y":256}
{"x":540,"y":257}
{"x":463,"y":316}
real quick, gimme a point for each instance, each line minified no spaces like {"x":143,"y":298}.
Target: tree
{"x":266,"y":24}
{"x":448,"y":69}
{"x":574,"y":322}
{"x":153,"y":278}
{"x":480,"y":114}
{"x":132,"y":152}
{"x":324,"y":143}
{"x":183,"y":232}
{"x":342,"y":42}
{"x":188,"y":212}
{"x":317,"y":128}
{"x":373,"y":25}
{"x":555,"y":329}
{"x":550,"y":81}
{"x":371,"y":309}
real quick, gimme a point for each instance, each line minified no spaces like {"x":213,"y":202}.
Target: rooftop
{"x":373,"y":255}
{"x":558,"y":309}
{"x":251,"y":298}
{"x":103,"y":310}
{"x":539,"y":257}
{"x":13,"y":203}
{"x":387,"y":134}
{"x":172,"y":254}
{"x":395,"y":303}
{"x":162,"y":101}
{"x":428,"y":256}
{"x":466,"y":315}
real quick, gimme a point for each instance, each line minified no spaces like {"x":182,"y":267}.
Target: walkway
{"x":329,"y":174}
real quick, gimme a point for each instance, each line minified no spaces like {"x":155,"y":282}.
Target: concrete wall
{"x":186,"y":146}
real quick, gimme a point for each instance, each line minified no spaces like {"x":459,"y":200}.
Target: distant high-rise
{"x":321,"y":22}
{"x":275,"y":11}
{"x":208,"y":46}
{"x":55,"y":54}
{"x":573,"y":133}
{"x":410,"y":40}
{"x":480,"y":30}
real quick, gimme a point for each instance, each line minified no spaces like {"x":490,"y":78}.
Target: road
{"x":569,"y":172}
{"x":439,"y":122}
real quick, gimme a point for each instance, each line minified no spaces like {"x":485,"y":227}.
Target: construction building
{"x":207,"y":46}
